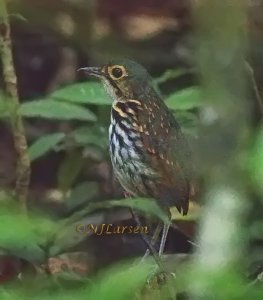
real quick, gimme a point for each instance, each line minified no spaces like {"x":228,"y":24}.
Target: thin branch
{"x":18,"y":131}
{"x":255,"y":87}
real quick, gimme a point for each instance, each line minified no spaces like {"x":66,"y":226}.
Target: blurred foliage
{"x":86,"y":107}
{"x":256,"y":161}
{"x":118,"y":283}
{"x":21,"y":235}
{"x":35,"y":236}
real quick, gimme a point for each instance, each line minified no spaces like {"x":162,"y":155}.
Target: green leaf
{"x":120,"y":282}
{"x":22,"y":235}
{"x":17,"y":238}
{"x":68,"y":236}
{"x":44,"y":144}
{"x":52,"y":109}
{"x":86,"y":93}
{"x":91,"y":136}
{"x":69,"y":169}
{"x":171,"y":74}
{"x":82,"y":193}
{"x":185,"y":99}
{"x":145,"y":205}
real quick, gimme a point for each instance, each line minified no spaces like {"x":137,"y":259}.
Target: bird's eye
{"x":117,"y":72}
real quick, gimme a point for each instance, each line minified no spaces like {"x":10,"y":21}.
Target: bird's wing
{"x":167,"y":152}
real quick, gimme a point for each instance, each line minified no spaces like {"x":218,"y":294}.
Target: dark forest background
{"x":206,"y":58}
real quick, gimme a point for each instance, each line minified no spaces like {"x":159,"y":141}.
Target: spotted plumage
{"x":149,"y":153}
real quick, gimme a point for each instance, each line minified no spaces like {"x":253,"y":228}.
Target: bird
{"x":150,"y":155}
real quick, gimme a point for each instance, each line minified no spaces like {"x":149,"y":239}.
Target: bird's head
{"x":122,"y":79}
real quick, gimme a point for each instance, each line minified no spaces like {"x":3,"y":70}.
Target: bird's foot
{"x":159,"y":278}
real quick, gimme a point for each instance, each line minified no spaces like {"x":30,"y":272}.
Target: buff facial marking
{"x":117,"y":72}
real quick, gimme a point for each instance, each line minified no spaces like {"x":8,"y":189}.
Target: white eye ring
{"x":117,"y":72}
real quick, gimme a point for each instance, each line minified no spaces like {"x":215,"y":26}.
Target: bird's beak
{"x":92,"y":71}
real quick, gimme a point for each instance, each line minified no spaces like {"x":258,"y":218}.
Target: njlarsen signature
{"x":107,"y":229}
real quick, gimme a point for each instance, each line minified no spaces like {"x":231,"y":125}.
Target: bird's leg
{"x":150,"y":244}
{"x":146,"y":240}
{"x":154,"y":239}
{"x":164,"y":237}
